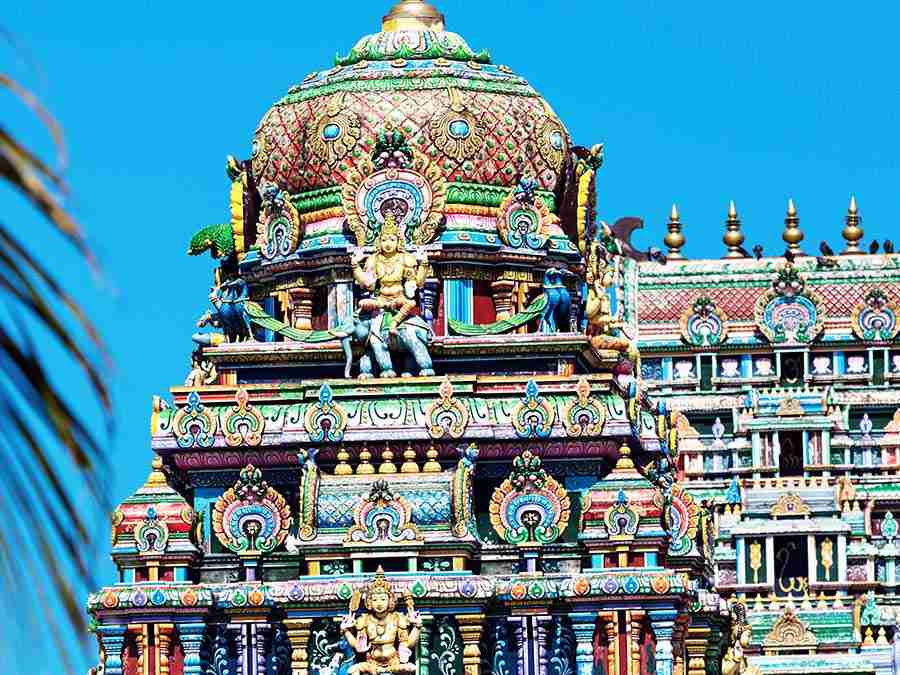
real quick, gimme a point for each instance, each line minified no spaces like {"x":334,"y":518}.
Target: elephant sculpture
{"x":410,"y":339}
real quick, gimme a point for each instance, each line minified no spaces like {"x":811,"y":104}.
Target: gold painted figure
{"x":734,"y":662}
{"x":392,"y":274}
{"x":386,"y":637}
{"x":600,"y":276}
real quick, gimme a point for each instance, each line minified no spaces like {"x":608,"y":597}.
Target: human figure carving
{"x":384,"y":636}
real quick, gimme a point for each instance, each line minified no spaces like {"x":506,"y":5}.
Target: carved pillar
{"x":429,"y":300}
{"x":470,"y":626}
{"x":260,"y":633}
{"x":164,"y":632}
{"x":635,"y":625}
{"x":612,"y":638}
{"x":424,"y":644}
{"x":663,"y":623}
{"x":298,"y":634}
{"x":191,"y":635}
{"x":541,"y":625}
{"x":112,"y":639}
{"x":300,"y":301}
{"x":138,"y":630}
{"x":502,"y":293}
{"x":695,"y":645}
{"x":584,"y":624}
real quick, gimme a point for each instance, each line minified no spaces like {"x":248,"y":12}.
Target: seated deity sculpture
{"x":384,"y":637}
{"x":391,"y":274}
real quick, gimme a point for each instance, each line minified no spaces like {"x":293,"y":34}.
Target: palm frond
{"x":53,"y":479}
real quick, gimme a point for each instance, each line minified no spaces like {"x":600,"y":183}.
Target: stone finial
{"x":674,"y":239}
{"x":792,"y":234}
{"x":852,"y":231}
{"x":733,"y":238}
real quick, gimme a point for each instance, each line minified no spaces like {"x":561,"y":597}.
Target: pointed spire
{"x":733,"y":238}
{"x":674,"y":239}
{"x":852,"y":231}
{"x":792,"y":234}
{"x":156,"y":476}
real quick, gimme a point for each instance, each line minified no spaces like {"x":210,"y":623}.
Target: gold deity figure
{"x":599,"y":277}
{"x":734,"y":662}
{"x":392,"y":274}
{"x":386,"y":637}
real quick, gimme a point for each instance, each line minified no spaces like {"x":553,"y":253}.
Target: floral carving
{"x":336,"y":131}
{"x":524,"y":221}
{"x":279,"y":228}
{"x":876,"y":318}
{"x":703,"y":324}
{"x":533,"y":416}
{"x":325,"y":420}
{"x":382,"y":518}
{"x":195,"y":425}
{"x":457,"y":133}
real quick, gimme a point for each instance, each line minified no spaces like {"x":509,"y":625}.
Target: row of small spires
{"x":365,"y":467}
{"x":792,"y":235}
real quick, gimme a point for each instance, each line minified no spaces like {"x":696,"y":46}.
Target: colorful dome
{"x":475,"y":121}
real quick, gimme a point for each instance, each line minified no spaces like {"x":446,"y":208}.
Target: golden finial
{"x":792,"y":234}
{"x":409,"y":460}
{"x":674,"y":239}
{"x":412,"y":15}
{"x":432,"y":465}
{"x":625,"y":461}
{"x":365,"y":466}
{"x":343,"y":468}
{"x":387,"y":460}
{"x":156,"y":477}
{"x":852,"y":231}
{"x":733,"y":236}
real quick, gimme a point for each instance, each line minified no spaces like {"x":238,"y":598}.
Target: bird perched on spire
{"x":758,"y":251}
{"x":888,"y":246}
{"x":873,"y":247}
{"x":826,"y":260}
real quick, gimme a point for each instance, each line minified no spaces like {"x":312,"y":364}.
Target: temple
{"x":442,"y":419}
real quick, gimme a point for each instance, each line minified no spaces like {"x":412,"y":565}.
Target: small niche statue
{"x":734,"y":662}
{"x":385,"y":637}
{"x":391,"y":274}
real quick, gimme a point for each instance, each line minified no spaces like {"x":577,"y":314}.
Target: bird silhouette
{"x":789,"y":255}
{"x":758,"y":251}
{"x":744,"y":252}
{"x":555,"y":316}
{"x":826,"y":249}
{"x":888,"y":246}
{"x":873,"y":247}
{"x":826,"y":263}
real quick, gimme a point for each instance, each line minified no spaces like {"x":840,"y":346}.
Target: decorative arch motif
{"x":279,"y":229}
{"x":243,"y":424}
{"x":787,"y":314}
{"x":789,"y":632}
{"x":251,"y":517}
{"x":152,"y":535}
{"x":382,"y":518}
{"x":551,"y":139}
{"x":682,"y":516}
{"x":447,"y":416}
{"x":585,"y":415}
{"x":524,"y":221}
{"x":790,"y":504}
{"x":195,"y":425}
{"x":400,"y":181}
{"x":530,"y":505}
{"x":622,"y":518}
{"x":533,"y":416}
{"x":703,"y":324}
{"x":875,"y":319}
{"x":325,"y":420}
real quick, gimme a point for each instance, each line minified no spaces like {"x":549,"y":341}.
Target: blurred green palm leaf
{"x":42,"y":437}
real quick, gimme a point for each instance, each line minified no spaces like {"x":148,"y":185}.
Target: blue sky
{"x":697,"y":103}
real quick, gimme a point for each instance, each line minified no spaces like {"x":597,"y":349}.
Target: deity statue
{"x":391,"y":274}
{"x":734,"y":662}
{"x":600,"y":277}
{"x":386,"y":637}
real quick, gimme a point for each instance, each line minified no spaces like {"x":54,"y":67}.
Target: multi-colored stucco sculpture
{"x":431,"y":373}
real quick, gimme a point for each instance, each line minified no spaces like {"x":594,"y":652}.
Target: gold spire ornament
{"x":734,"y":237}
{"x":412,"y":15}
{"x":792,"y":234}
{"x":852,"y":231}
{"x":674,"y":239}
